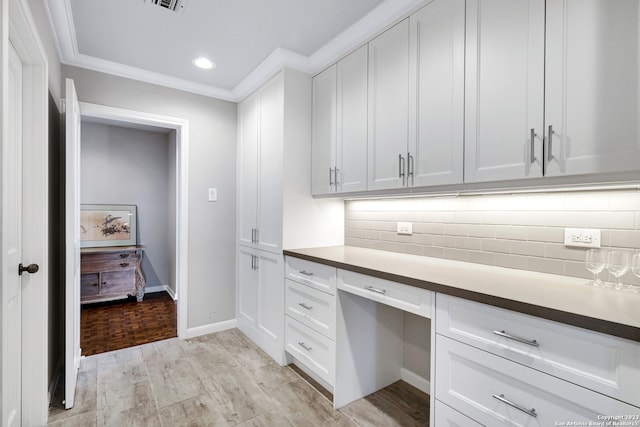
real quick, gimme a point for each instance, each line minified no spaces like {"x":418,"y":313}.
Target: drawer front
{"x":448,"y":417}
{"x":318,"y":276}
{"x":112,"y":256}
{"x":115,"y":282}
{"x":316,"y":351}
{"x":107,"y":265}
{"x":89,"y":284}
{"x":405,"y":297}
{"x":597,"y":361}
{"x":315,"y":309}
{"x":497,"y":392}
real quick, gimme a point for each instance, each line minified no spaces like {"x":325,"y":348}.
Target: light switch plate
{"x":405,"y":228}
{"x":213,"y":194}
{"x":582,"y":237}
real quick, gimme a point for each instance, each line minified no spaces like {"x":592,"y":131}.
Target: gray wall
{"x":212,"y":154}
{"x":124,"y":166}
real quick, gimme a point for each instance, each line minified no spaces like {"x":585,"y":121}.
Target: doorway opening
{"x":130,"y":157}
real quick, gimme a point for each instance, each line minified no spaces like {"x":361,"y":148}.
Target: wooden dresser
{"x":111,"y":273}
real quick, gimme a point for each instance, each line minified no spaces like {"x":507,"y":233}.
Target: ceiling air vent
{"x":174,"y":5}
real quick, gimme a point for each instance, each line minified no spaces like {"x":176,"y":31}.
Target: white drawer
{"x":600,"y":362}
{"x":319,"y":276}
{"x":497,"y":392}
{"x":408,"y":298}
{"x":316,"y":351}
{"x":449,"y":417}
{"x":315,"y":309}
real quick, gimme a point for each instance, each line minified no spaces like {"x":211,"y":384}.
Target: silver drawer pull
{"x":532,"y":343}
{"x":531,"y":412}
{"x":124,"y":264}
{"x":124,"y":255}
{"x":306,"y":347}
{"x":376,"y":290}
{"x":306,"y":273}
{"x":303,"y":305}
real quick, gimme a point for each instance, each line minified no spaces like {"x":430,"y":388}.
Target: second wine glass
{"x":595,"y":260}
{"x":618,"y":264}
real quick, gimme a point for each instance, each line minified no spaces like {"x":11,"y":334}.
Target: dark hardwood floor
{"x":126,"y":323}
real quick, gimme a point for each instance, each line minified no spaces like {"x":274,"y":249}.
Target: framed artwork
{"x":107,"y":225}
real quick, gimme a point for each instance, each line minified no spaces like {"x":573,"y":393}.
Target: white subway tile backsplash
{"x":524,"y":231}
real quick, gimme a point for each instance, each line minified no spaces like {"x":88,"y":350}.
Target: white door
{"x":270,"y":295}
{"x":270,"y":165}
{"x":12,"y":251}
{"x":323,"y":132}
{"x":351,"y":158}
{"x":504,"y":89}
{"x":72,"y":243}
{"x":591,"y":98}
{"x":247,"y":170}
{"x":388,"y":108}
{"x":247,"y":285}
{"x":436,"y":126}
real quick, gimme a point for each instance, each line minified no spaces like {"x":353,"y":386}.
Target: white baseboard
{"x":210,"y":328}
{"x":415,"y":380}
{"x":161,"y":288}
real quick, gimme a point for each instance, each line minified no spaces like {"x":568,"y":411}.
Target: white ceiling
{"x":247,"y":39}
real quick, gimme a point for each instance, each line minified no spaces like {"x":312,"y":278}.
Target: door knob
{"x":31,"y":268}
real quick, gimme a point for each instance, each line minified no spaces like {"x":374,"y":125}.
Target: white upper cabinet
{"x":592,"y":86}
{"x":339,"y":126}
{"x":388,"y":108}
{"x":504,"y":89}
{"x":436,"y":120}
{"x":323,"y":132}
{"x":351,"y":160}
{"x":247,"y":169}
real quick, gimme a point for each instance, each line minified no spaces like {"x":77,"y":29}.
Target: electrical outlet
{"x":213,"y":195}
{"x":405,"y":228}
{"x":582,"y":237}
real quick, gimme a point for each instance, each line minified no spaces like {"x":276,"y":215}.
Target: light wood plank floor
{"x":221,"y":379}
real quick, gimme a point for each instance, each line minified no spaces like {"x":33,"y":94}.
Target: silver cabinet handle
{"x":330,"y":177}
{"x":306,"y":347}
{"x":550,"y":144}
{"x":410,"y":168}
{"x":530,"y":412}
{"x":257,"y":263}
{"x":335,"y":177}
{"x":376,"y":290}
{"x":253,"y":262}
{"x":533,"y":146}
{"x":401,"y":168}
{"x":253,"y":235}
{"x":306,"y":273}
{"x":257,"y":235}
{"x":532,"y":343}
{"x":303,"y":305}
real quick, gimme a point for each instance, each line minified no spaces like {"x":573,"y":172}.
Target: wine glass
{"x":618,"y":263}
{"x":635,"y":269}
{"x":595,"y":261}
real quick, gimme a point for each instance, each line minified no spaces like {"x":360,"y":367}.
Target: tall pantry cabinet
{"x":274,"y":203}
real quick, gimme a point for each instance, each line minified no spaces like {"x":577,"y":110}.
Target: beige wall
{"x":524,"y":231}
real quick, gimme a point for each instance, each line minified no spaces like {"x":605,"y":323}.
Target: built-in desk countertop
{"x":563,"y":299}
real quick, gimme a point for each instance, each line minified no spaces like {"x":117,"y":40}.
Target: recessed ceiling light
{"x":203,"y":63}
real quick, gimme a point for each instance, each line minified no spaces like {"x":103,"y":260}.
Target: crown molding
{"x":378,"y":20}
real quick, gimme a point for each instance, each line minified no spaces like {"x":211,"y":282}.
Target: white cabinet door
{"x":323,"y":132}
{"x":247,"y":169}
{"x":247,"y":285}
{"x":270,"y":296}
{"x":592,"y":86}
{"x":351,"y":159}
{"x":504,"y":88}
{"x":388,"y":108}
{"x":271,"y":136}
{"x":436,"y":127}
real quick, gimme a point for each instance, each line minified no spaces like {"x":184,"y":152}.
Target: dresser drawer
{"x":408,"y":298}
{"x":315,"y":309}
{"x":449,"y":417}
{"x":106,"y":265}
{"x":89,"y":284}
{"x":316,"y":351}
{"x":319,"y":276}
{"x":600,"y":362}
{"x":117,"y":282}
{"x":497,"y":392}
{"x":110,"y":256}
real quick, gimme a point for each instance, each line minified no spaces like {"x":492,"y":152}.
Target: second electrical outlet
{"x":405,"y":228}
